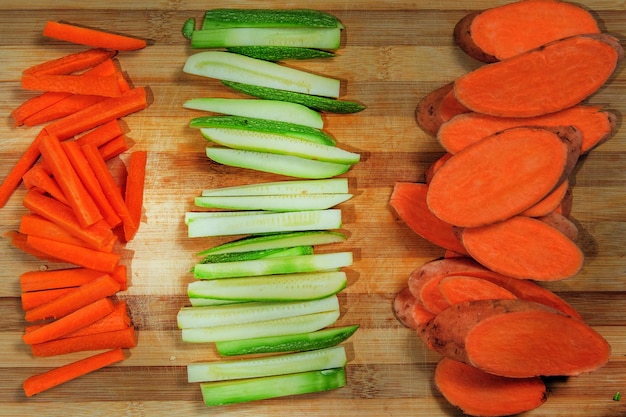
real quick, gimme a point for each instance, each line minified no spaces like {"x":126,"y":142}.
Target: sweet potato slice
{"x":458,"y":288}
{"x":409,"y":202}
{"x":437,"y":107}
{"x":524,"y":247}
{"x":403,"y":304}
{"x":550,"y":202}
{"x":562,"y":224}
{"x":595,"y":125}
{"x":508,"y":30}
{"x":545,"y":80}
{"x":478,"y":393}
{"x":502,"y":175}
{"x":432,"y":168}
{"x":517,"y":339}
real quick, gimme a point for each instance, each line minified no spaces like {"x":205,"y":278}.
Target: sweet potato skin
{"x":463,"y":39}
{"x":429,"y":113}
{"x":403,"y":304}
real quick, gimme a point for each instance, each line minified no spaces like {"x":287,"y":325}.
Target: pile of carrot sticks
{"x":78,"y":212}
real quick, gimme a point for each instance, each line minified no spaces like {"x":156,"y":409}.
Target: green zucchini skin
{"x":281,"y":53}
{"x":230,"y":17}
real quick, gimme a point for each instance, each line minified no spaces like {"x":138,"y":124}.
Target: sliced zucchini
{"x":323,"y":186}
{"x":301,"y":37}
{"x":297,"y":342}
{"x":278,"y":327}
{"x":228,"y":66}
{"x":265,"y":223}
{"x":315,"y":102}
{"x":287,"y":363}
{"x":253,"y":389}
{"x":282,"y":111}
{"x":286,"y":287}
{"x":284,"y":202}
{"x":188,"y":27}
{"x":191,"y":216}
{"x":231,"y":17}
{"x":277,"y":240}
{"x":292,"y":166}
{"x":272,"y":266}
{"x":281,"y":53}
{"x":206,"y":302}
{"x":246,"y":313}
{"x":264,"y":125}
{"x":256,"y":254}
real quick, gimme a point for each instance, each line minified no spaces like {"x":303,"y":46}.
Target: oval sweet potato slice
{"x":403,"y":304}
{"x":456,"y":289}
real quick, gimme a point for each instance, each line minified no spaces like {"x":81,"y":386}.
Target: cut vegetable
{"x":288,"y":363}
{"x":266,"y":223}
{"x":281,"y":53}
{"x":192,"y":216}
{"x":229,"y":392}
{"x":301,"y":37}
{"x":278,"y":327}
{"x":263,"y":109}
{"x":235,"y":314}
{"x":286,"y":287}
{"x":122,"y":339}
{"x":70,"y":63}
{"x":91,"y":37}
{"x":437,"y":107}
{"x":297,"y":342}
{"x":256,"y":254}
{"x":231,"y":17}
{"x":283,"y":202}
{"x":293,"y":187}
{"x":238,"y":68}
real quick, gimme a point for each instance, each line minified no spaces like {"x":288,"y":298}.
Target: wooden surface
{"x":393,"y":53}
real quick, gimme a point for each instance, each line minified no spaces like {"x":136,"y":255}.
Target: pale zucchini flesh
{"x":300,"y":37}
{"x":323,"y":186}
{"x":288,"y":363}
{"x":285,"y":202}
{"x":192,"y":216}
{"x":228,"y":66}
{"x":206,"y":302}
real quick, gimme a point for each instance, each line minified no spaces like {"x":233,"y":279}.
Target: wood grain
{"x":393,"y":53}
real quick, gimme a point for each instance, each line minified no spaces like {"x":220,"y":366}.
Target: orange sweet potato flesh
{"x":437,"y":107}
{"x":502,"y":175}
{"x":458,"y":288}
{"x":550,"y":202}
{"x":517,"y":339}
{"x":403,"y":304}
{"x":562,"y":224}
{"x":595,"y":125}
{"x":409,"y":202}
{"x":478,"y":393}
{"x":508,"y":30}
{"x":545,"y":80}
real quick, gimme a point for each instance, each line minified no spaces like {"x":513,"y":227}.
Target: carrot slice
{"x":35,"y":299}
{"x":72,"y":322}
{"x":511,"y":29}
{"x":91,"y":37}
{"x":77,"y":255}
{"x":541,"y":81}
{"x":124,"y":338}
{"x":36,"y":104}
{"x":118,"y":319}
{"x":96,"y":85}
{"x":70,"y":63}
{"x":114,"y":147}
{"x":102,"y":134}
{"x":100,"y":113}
{"x":64,"y":107}
{"x":479,"y":393}
{"x":457,"y":289}
{"x":19,"y":241}
{"x":135,"y":183}
{"x":58,"y":278}
{"x":57,"y":376}
{"x":35,"y":225}
{"x":492,"y":179}
{"x":79,"y":297}
{"x":39,"y":177}
{"x":409,"y":202}
{"x":525,"y":248}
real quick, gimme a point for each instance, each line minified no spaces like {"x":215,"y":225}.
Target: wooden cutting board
{"x":392,"y":54}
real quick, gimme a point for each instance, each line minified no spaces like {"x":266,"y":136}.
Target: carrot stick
{"x":72,"y":322}
{"x":96,"y":85}
{"x":36,"y":104}
{"x":114,"y":339}
{"x":35,"y":225}
{"x":19,"y":241}
{"x":77,"y":255}
{"x":87,"y":176}
{"x":62,"y":108}
{"x":135,"y":184}
{"x":100,"y":113}
{"x":107,"y":182}
{"x":57,"y":376}
{"x":102,"y":134}
{"x":79,"y":297}
{"x":114,"y":147}
{"x":68,"y":64}
{"x":80,"y":200}
{"x":478,"y":393}
{"x":96,"y":235}
{"x":39,"y":177}
{"x":91,"y":37}
{"x":58,"y":278}
{"x":34,"y":299}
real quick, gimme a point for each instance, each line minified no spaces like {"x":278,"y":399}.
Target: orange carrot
{"x":80,"y":200}
{"x":120,"y":274}
{"x":95,"y":85}
{"x":102,"y":134}
{"x":35,"y":225}
{"x":100,"y":113}
{"x":57,"y":376}
{"x":62,"y":108}
{"x":122,"y":339}
{"x":479,"y":393}
{"x":77,"y":255}
{"x":541,"y":252}
{"x":39,"y":177}
{"x":58,"y":278}
{"x":114,"y":147}
{"x":34,"y":299}
{"x":91,"y":37}
{"x":79,"y":297}
{"x":68,"y":64}
{"x":486,"y":35}
{"x":491,"y":180}
{"x":568,"y":71}
{"x":87,"y":176}
{"x":36,"y":104}
{"x":96,"y":235}
{"x":135,"y":183}
{"x":107,"y":182}
{"x":70,"y":323}
{"x":118,"y":319}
